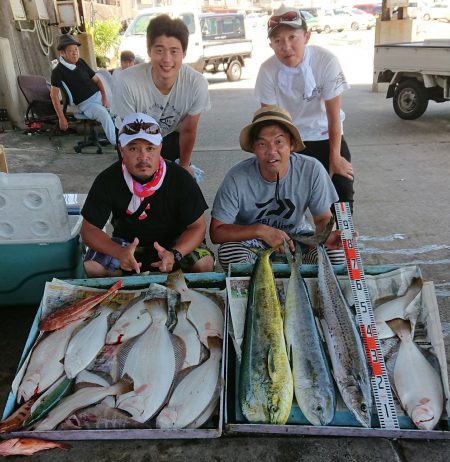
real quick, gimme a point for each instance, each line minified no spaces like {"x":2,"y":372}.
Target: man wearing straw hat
{"x":263,"y":199}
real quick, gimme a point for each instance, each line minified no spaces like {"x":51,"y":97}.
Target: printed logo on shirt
{"x":314,"y":94}
{"x":340,"y":80}
{"x":283,"y":208}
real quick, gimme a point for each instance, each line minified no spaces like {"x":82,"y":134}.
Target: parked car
{"x":436,"y":11}
{"x":356,"y":19}
{"x":311,"y":21}
{"x":372,"y":8}
{"x":327,"y":20}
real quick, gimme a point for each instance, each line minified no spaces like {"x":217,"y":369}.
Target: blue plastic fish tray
{"x":194,"y":280}
{"x":344,"y":423}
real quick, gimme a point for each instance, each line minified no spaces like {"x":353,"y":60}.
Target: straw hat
{"x":275,"y":114}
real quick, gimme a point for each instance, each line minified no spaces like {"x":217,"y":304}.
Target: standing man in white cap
{"x":157,"y":210}
{"x":308,"y":81}
{"x":263,"y":199}
{"x":87,"y":90}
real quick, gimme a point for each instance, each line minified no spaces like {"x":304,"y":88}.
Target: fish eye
{"x":363,"y":407}
{"x":319,"y":408}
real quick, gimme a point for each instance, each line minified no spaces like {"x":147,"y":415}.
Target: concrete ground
{"x":402,"y":213}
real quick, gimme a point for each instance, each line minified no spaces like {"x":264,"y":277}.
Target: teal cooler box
{"x":38,"y":239}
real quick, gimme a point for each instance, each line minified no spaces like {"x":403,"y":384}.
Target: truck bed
{"x":427,"y":57}
{"x":226,"y":48}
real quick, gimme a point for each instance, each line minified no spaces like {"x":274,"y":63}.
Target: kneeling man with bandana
{"x":157,"y":210}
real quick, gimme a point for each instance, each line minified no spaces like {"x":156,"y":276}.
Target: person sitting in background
{"x":307,"y":81}
{"x":87,"y":90}
{"x":166,"y":89}
{"x":157,"y":210}
{"x":127,"y":59}
{"x":263,"y":199}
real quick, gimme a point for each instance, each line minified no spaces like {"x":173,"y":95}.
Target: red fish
{"x":16,"y":420}
{"x":28,"y":446}
{"x":78,"y":310}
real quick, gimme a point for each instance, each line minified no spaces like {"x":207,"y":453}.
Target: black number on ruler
{"x":354,"y":263}
{"x":387,"y":410}
{"x":380,"y":382}
{"x":350,"y":243}
{"x":363,"y":307}
{"x":345,"y":224}
{"x":358,"y":284}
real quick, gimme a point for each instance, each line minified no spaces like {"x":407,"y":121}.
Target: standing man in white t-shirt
{"x":308,"y":81}
{"x":166,"y":89}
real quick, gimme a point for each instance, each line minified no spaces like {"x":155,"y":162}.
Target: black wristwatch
{"x":177,"y":257}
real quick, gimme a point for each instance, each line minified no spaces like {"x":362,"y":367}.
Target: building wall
{"x":28,"y":56}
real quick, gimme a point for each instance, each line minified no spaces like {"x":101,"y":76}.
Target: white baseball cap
{"x":139,"y":126}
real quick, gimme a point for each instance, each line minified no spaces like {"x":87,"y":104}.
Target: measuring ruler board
{"x":381,"y":388}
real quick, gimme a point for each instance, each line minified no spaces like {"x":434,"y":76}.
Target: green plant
{"x":105,"y":35}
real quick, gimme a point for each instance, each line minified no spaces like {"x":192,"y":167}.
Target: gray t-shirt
{"x":136,"y":92}
{"x":246,"y":198}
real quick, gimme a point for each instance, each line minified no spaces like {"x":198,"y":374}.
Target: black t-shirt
{"x":79,"y":81}
{"x":175,"y":205}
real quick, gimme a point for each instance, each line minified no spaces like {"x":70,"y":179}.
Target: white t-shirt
{"x":308,"y":113}
{"x":135,"y":91}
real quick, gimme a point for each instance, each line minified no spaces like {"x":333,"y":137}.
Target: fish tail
{"x":317,"y":238}
{"x":124,"y":385}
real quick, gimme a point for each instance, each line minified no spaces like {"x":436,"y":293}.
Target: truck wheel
{"x":410,"y":100}
{"x":354,"y":26}
{"x":327,"y":29}
{"x":234,"y":71}
{"x":426,"y":17}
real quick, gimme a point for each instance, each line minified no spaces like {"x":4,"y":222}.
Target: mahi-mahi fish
{"x":313,"y":383}
{"x":350,"y":369}
{"x":266,"y":385}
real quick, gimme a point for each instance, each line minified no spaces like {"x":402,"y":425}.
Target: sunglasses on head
{"x":286,"y":17}
{"x":135,"y":127}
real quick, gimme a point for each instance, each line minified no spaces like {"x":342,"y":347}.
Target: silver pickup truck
{"x":217,"y":42}
{"x":416,"y":72}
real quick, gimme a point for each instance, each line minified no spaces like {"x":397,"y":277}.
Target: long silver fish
{"x":313,"y":383}
{"x":350,"y":369}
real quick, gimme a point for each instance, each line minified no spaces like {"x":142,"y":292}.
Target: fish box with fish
{"x":142,"y":359}
{"x":331,"y":396}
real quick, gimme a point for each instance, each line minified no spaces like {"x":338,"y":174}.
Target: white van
{"x":135,"y":37}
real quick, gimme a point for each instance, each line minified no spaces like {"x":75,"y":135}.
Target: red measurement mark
{"x":350,"y":255}
{"x":371,"y":348}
